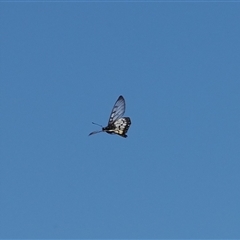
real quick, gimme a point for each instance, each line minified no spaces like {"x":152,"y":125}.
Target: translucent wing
{"x":118,"y":110}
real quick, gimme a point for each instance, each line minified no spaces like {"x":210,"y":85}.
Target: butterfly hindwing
{"x":119,"y":127}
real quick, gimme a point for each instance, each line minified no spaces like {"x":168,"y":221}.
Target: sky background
{"x":63,"y":65}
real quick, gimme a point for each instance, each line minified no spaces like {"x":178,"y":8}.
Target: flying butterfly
{"x":116,"y":123}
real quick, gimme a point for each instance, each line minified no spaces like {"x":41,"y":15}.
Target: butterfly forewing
{"x":118,"y":110}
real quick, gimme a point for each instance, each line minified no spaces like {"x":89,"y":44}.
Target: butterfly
{"x":116,"y":123}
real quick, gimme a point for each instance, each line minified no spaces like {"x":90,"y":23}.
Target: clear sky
{"x":63,"y":65}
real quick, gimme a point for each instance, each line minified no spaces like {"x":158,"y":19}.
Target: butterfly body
{"x":117,"y":124}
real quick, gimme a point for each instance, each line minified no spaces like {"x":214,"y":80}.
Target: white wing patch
{"x":121,"y":125}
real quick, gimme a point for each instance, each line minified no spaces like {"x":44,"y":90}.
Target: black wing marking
{"x":118,"y":110}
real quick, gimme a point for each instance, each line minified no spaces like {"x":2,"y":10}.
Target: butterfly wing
{"x":121,"y":126}
{"x":118,"y":110}
{"x":94,"y":132}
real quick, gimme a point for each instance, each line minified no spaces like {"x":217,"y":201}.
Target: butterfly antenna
{"x":97,"y":124}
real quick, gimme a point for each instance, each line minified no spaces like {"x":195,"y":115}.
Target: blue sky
{"x":63,"y":65}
